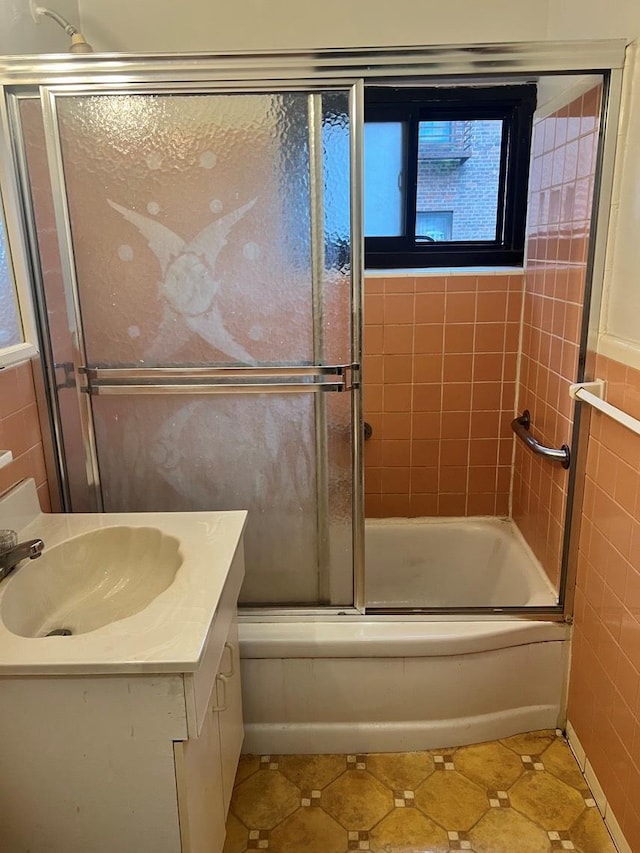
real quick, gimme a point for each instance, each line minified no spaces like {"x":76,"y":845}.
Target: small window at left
{"x":10,"y":326}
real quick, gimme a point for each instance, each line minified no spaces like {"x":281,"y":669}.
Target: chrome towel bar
{"x":99,"y":381}
{"x":521,"y":426}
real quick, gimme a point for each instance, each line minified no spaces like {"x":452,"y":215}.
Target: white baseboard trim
{"x":596,"y":789}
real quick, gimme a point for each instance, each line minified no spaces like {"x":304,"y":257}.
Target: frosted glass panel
{"x":384,"y":178}
{"x":10,"y":326}
{"x":336,"y":320}
{"x":215,"y":230}
{"x":252,"y":452}
{"x":59,"y":313}
{"x":191,"y":225}
{"x":339,"y":526}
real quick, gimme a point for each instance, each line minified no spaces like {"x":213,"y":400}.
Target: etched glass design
{"x":191,"y":222}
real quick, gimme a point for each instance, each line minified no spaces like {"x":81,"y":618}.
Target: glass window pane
{"x":434,"y":225}
{"x":10,"y":326}
{"x":458,"y":179}
{"x":435,"y":131}
{"x":384,"y":178}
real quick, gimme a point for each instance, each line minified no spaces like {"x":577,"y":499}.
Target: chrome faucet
{"x":13,"y":552}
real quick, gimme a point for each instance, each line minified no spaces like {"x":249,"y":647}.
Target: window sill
{"x":10,"y":356}
{"x":440,"y":271}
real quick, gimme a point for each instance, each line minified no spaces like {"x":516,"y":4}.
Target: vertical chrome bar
{"x":46,"y":380}
{"x":599,"y":226}
{"x":316,"y":213}
{"x":67,"y":260}
{"x":356,"y":110}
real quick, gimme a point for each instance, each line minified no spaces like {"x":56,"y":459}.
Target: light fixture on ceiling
{"x":78,"y":42}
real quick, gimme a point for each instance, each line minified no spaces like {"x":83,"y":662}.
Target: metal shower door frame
{"x":304,"y":69}
{"x":231,"y":380}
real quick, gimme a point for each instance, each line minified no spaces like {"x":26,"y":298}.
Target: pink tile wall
{"x":20,"y":432}
{"x":560,"y":197}
{"x":440,"y":355}
{"x":604,"y":688}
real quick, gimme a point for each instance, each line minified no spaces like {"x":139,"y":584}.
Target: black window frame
{"x":515,"y":105}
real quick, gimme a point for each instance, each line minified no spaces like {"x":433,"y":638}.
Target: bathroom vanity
{"x":123,"y":737}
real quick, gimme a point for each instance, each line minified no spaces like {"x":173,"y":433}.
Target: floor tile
{"x":247,"y":766}
{"x":558,"y":760}
{"x":546,"y":800}
{"x":401,"y":769}
{"x":530,"y":743}
{"x":265,"y":799}
{"x":523,"y":794}
{"x":508,"y":832}
{"x":452,"y":800}
{"x":407,"y":831}
{"x":490,"y":765}
{"x":590,"y":835}
{"x":237,"y":835}
{"x":309,"y":830}
{"x":312,"y":771}
{"x":357,"y":800}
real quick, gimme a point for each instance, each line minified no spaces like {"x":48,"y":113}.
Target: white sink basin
{"x":140,"y":592}
{"x":90,"y":581}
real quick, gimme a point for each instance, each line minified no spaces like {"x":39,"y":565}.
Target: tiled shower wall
{"x":440,"y":357}
{"x":604,"y":688}
{"x":20,"y":431}
{"x":561,"y":191}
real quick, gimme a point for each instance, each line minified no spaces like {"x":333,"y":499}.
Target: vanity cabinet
{"x":126,"y":762}
{"x":204,"y":796}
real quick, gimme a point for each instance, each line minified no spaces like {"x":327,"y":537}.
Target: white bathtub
{"x":387,"y":683}
{"x":451,"y":562}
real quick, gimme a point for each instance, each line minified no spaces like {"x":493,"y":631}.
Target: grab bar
{"x":593,"y":394}
{"x":521,"y":426}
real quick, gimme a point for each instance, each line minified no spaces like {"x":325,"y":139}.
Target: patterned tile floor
{"x":523,"y":794}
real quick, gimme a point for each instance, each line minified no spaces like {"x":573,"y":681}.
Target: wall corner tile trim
{"x":596,"y":789}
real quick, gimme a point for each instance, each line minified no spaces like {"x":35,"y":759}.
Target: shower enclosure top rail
{"x":521,"y":426}
{"x":340,"y":64}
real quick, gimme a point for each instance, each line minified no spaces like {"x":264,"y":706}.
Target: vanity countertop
{"x":170,"y":633}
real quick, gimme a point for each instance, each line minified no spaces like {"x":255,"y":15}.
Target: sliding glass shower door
{"x":205,"y":249}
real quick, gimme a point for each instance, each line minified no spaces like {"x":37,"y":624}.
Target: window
{"x":445,"y":179}
{"x":15,"y":312}
{"x":10,"y":325}
{"x":435,"y":131}
{"x":435,"y":226}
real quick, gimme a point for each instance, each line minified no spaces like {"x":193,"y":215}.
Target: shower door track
{"x":418,"y":614}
